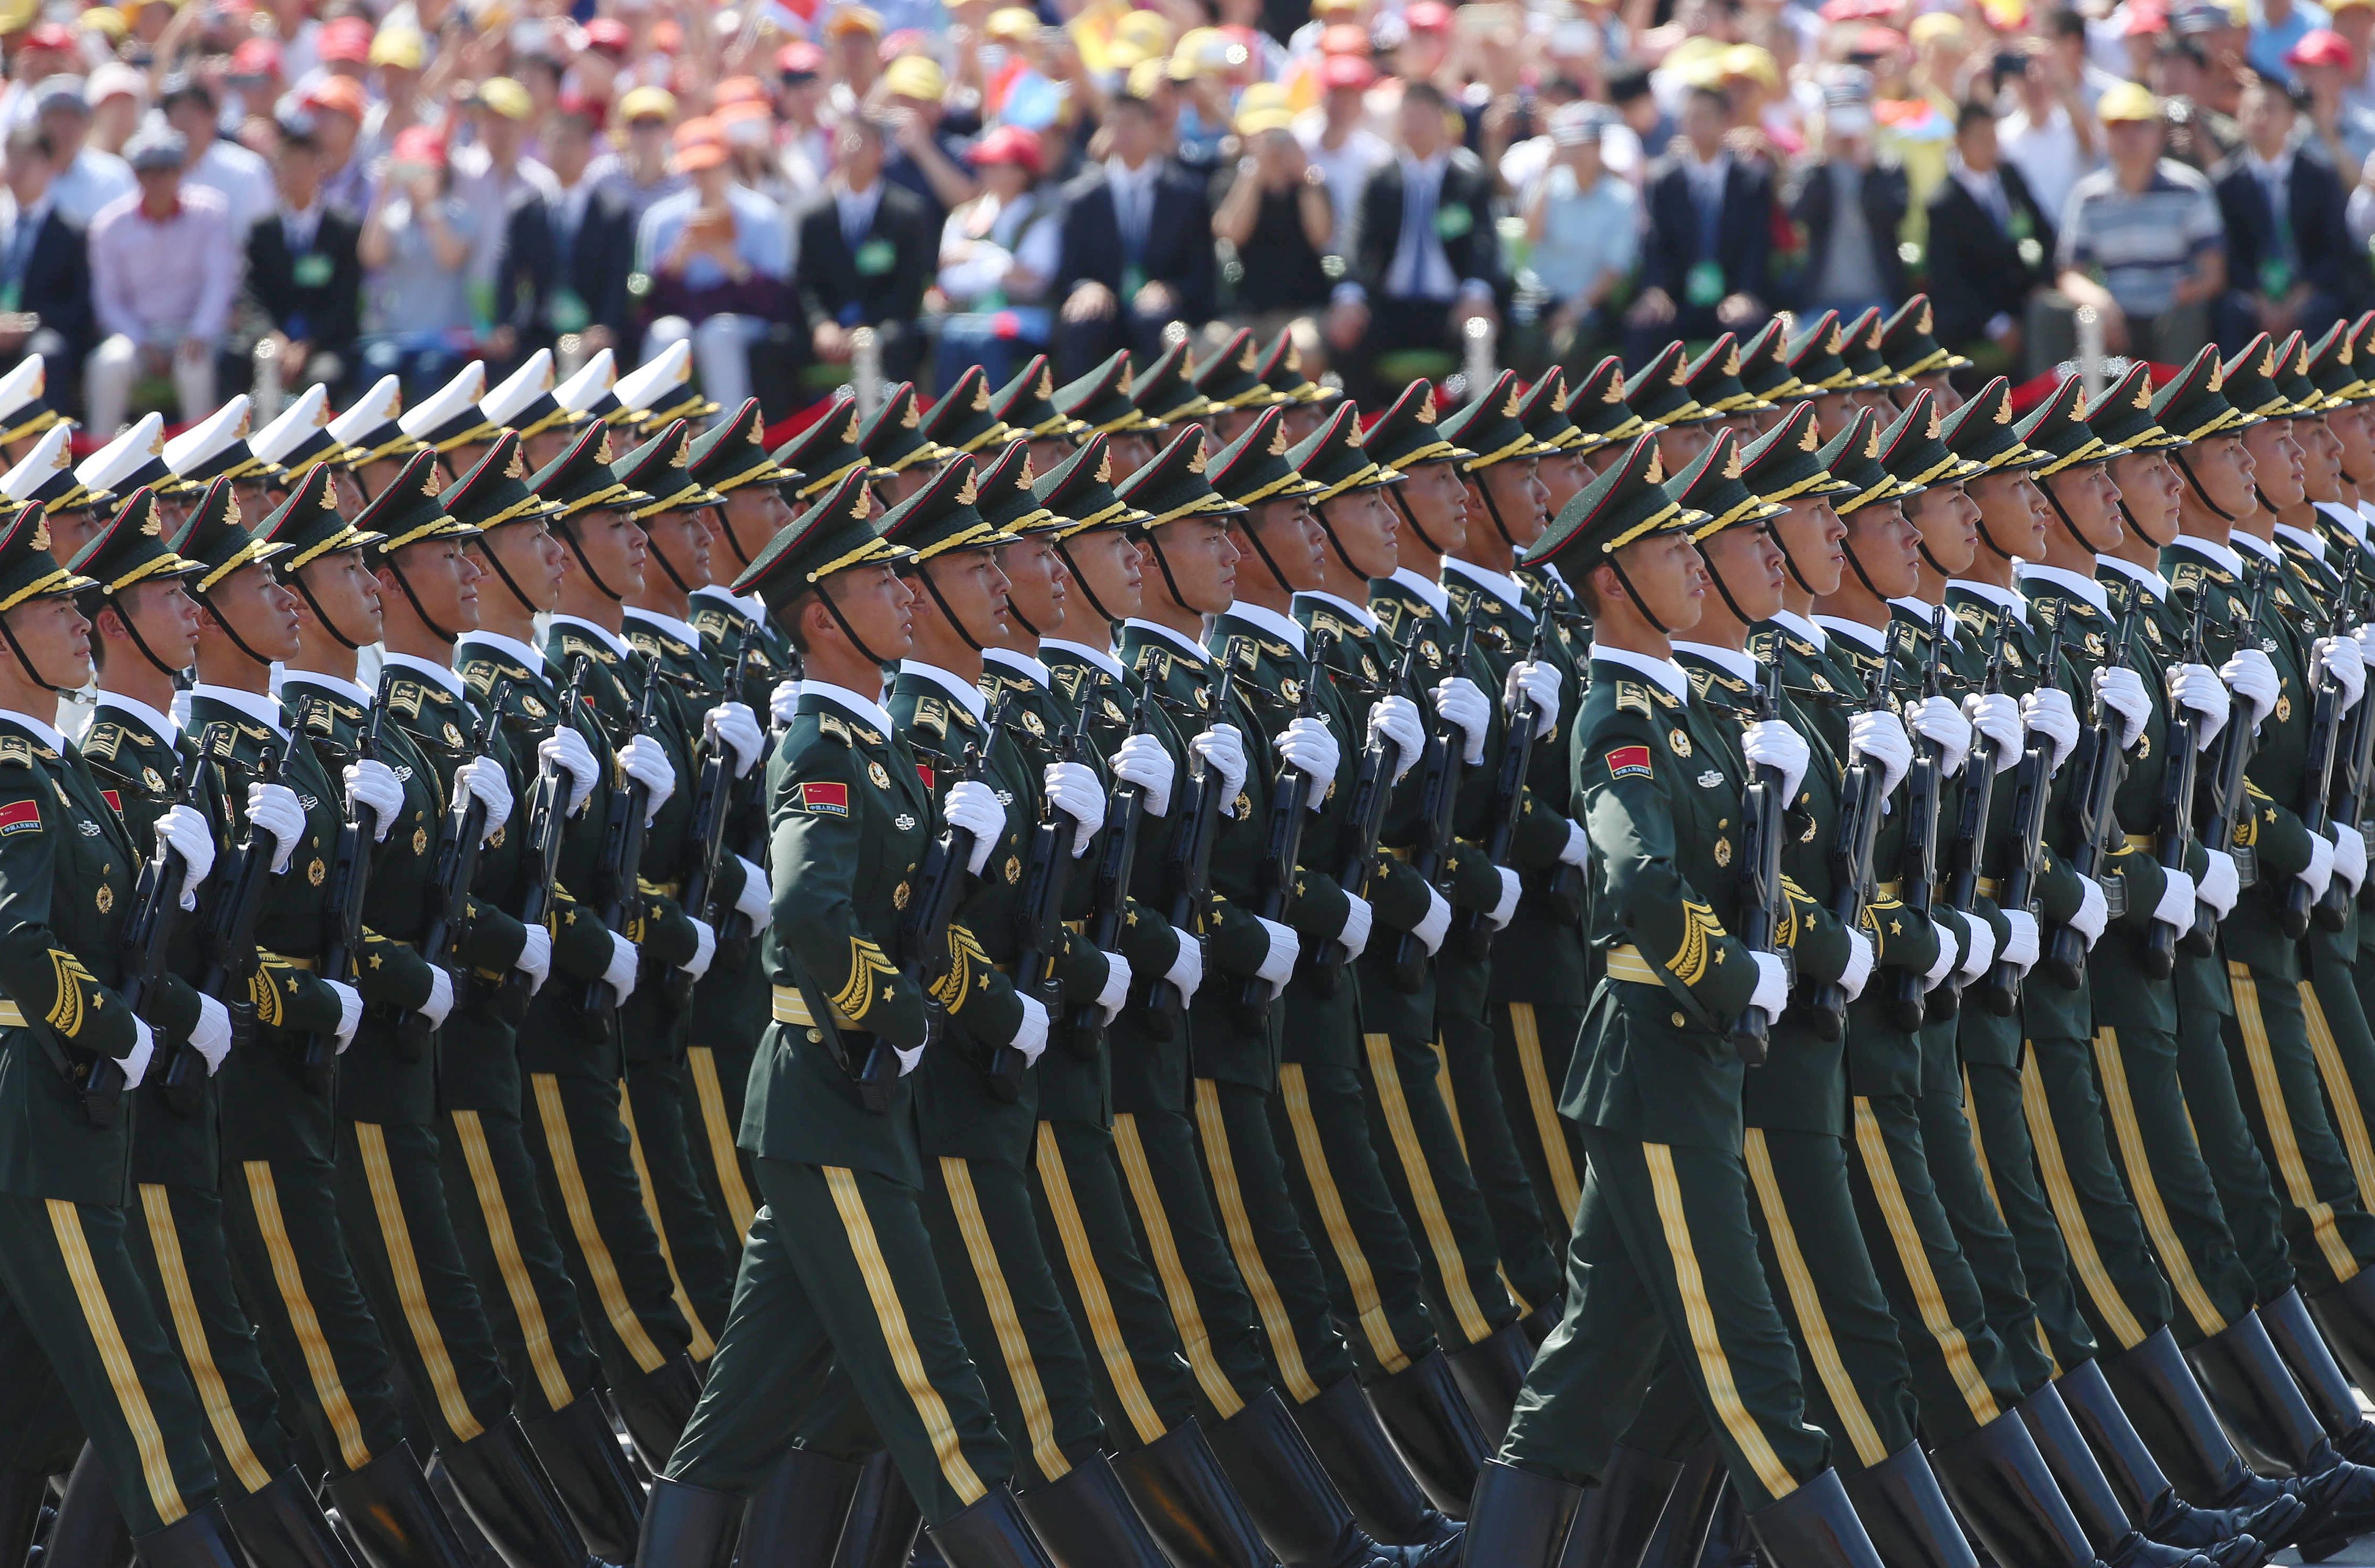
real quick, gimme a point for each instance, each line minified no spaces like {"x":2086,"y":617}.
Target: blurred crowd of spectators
{"x":399,"y":186}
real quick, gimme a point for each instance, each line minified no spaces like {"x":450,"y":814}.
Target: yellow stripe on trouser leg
{"x":2072,"y":1214}
{"x":1707,"y":1343}
{"x":884,"y":1293}
{"x":607,"y":1288}
{"x":1104,"y":1328}
{"x":2111,"y":1072}
{"x":98,"y":1316}
{"x":702,"y":1345}
{"x":497,"y":1215}
{"x":1547,"y":1128}
{"x":2340,"y":1094}
{"x":2254,"y":1026}
{"x":321,"y":1366}
{"x":1913,"y":1256}
{"x":1186,"y":1316}
{"x":1814,"y":1324}
{"x":190,"y":1331}
{"x":396,"y":1234}
{"x":1450,"y":1096}
{"x":1440,"y":1240}
{"x":1013,"y":1345}
{"x":1239,"y":1225}
{"x":1368,"y":1308}
{"x":718,"y":1133}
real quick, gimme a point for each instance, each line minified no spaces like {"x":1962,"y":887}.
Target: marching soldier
{"x":1100,"y":403}
{"x":75,"y":511}
{"x":522,"y":403}
{"x":903,"y":458}
{"x":963,"y":420}
{"x":1027,"y":405}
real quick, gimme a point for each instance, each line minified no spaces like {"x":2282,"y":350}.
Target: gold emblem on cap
{"x":1731,"y":464}
{"x":1196,"y":451}
{"x":1509,"y":409}
{"x":1246,"y":360}
{"x":241,"y":433}
{"x":1935,"y":423}
{"x":156,"y":446}
{"x":602,"y":451}
{"x":966,"y":492}
{"x":981,"y":397}
{"x":849,"y":436}
{"x":2218,"y":375}
{"x":1732,"y":360}
{"x":64,"y":458}
{"x":1105,"y":466}
{"x":908,"y":418}
{"x":429,"y":489}
{"x":330,"y":499}
{"x":862,"y":504}
{"x":1558,"y":390}
{"x":1025,"y":479}
{"x":1046,"y":383}
{"x":682,"y":457}
{"x":1426,"y":406}
{"x":1812,"y":440}
{"x":150,"y":523}
{"x":2144,"y":388}
{"x":2268,"y":364}
{"x":518,"y":469}
{"x":2003,"y":408}
{"x":1657,"y":474}
{"x":42,"y":535}
{"x":1922,"y":322}
{"x":1278,"y":440}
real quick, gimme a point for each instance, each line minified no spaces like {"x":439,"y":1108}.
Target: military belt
{"x":1626,"y":963}
{"x":2144,"y":842}
{"x":1989,"y":887}
{"x":793,"y":1008}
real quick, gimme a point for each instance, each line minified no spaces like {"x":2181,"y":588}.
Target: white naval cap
{"x":369,"y":429}
{"x":22,"y":411}
{"x":661,"y":389}
{"x":301,"y":434}
{"x":525,"y":401}
{"x":588,"y":392}
{"x":449,"y":416}
{"x":133,"y":459}
{"x":215,"y":447}
{"x":47,"y":473}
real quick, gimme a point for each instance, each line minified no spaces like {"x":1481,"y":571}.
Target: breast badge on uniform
{"x":2284,"y":706}
{"x":1723,"y":852}
{"x":1290,"y":689}
{"x":904,"y":822}
{"x":152,"y":778}
{"x":104,"y":898}
{"x":453,"y":735}
{"x":1680,"y":742}
{"x":879,"y":774}
{"x":1012,"y":870}
{"x":1034,"y":724}
{"x":1709,"y":779}
{"x":421,"y":841}
{"x":900,"y":895}
{"x":315,"y":872}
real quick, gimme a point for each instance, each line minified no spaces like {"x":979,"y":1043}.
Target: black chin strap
{"x":124,"y":615}
{"x":223,"y":623}
{"x":726,"y":531}
{"x":1411,"y":518}
{"x":569,"y":537}
{"x":1857,"y":567}
{"x":496,"y":562}
{"x":1164,"y":565}
{"x":1789,"y":563}
{"x":1715,"y":577}
{"x":30,"y":669}
{"x":1484,"y":493}
{"x":2178,"y":457}
{"x":1095,"y":602}
{"x":297,"y":580}
{"x":1640,"y":604}
{"x":923,"y":575}
{"x":848,"y":630}
{"x":1320,"y":514}
{"x":1253,"y":537}
{"x":2059,"y":511}
{"x":443,"y":635}
{"x":661,"y":556}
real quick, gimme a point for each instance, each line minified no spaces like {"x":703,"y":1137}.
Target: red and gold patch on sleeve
{"x":825,"y":799}
{"x":1629,"y":762}
{"x":22,"y":817}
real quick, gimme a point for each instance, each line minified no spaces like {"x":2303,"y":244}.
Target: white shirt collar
{"x":1430,"y":591}
{"x":511,"y":647}
{"x":2003,"y":598}
{"x":1284,"y":627}
{"x":1732,"y":660}
{"x":1097,"y":657}
{"x":47,"y":734}
{"x":1870,"y":639}
{"x":2152,"y":581}
{"x":166,"y":727}
{"x":1020,"y":663}
{"x":262,"y":710}
{"x":752,"y":609}
{"x":2303,"y":537}
{"x":1792,"y":621}
{"x":2257,"y":546}
{"x":2349,"y":520}
{"x":2213,"y":552}
{"x":1918,"y":608}
{"x":1187,"y":645}
{"x":1360,"y":613}
{"x":974,"y":702}
{"x":336,"y":685}
{"x":603,"y":634}
{"x":1665,"y":672}
{"x":860,"y":706}
{"x":1121,"y":173}
{"x":2085,"y":588}
{"x":1508,"y":590}
{"x":680,"y":629}
{"x":442,"y":674}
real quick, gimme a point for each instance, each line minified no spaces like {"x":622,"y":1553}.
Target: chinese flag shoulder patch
{"x":928,"y":775}
{"x":20,"y":816}
{"x":115,"y":801}
{"x":1629,"y":762}
{"x":826,"y":799}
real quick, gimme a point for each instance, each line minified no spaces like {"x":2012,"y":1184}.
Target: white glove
{"x":1186,"y":970}
{"x":2340,"y":656}
{"x":1979,"y":950}
{"x":210,"y":1036}
{"x":1577,"y":851}
{"x":2219,"y":884}
{"x":1881,"y":737}
{"x":1997,"y":716}
{"x":908,"y":1060}
{"x":1115,"y":990}
{"x":181,"y":831}
{"x":1308,"y":747}
{"x":1285,"y":947}
{"x":1396,"y":718}
{"x":705,"y":948}
{"x":2123,"y":691}
{"x":1141,"y":760}
{"x":2198,"y":686}
{"x":1769,"y":743}
{"x":619,"y":976}
{"x":1031,"y":1034}
{"x":1430,"y":931}
{"x":1458,"y":702}
{"x":1857,"y":972}
{"x":483,"y":777}
{"x":276,"y":809}
{"x":783,"y":705}
{"x":972,"y":807}
{"x":737,"y":727}
{"x":1938,"y":721}
{"x":350,"y":1013}
{"x":534,"y":959}
{"x":2049,"y":711}
{"x":2365,"y":637}
{"x":2093,"y":913}
{"x":2020,"y":949}
{"x":2349,"y":856}
{"x":440,"y":996}
{"x":1539,"y":680}
{"x":646,"y":760}
{"x":1950,"y":955}
{"x":1074,"y":790}
{"x":1772,"y":992}
{"x":2320,"y":869}
{"x":373,"y":788}
{"x":755,"y":901}
{"x":1511,"y":888}
{"x":144,"y":1047}
{"x":2176,"y":905}
{"x":567,"y":752}
{"x":1358,"y":918}
{"x":2250,"y":675}
{"x":1222,"y":747}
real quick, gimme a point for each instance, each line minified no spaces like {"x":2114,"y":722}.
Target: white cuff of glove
{"x":646,"y":760}
{"x":1772,"y":992}
{"x":908,"y":1060}
{"x":1358,"y":917}
{"x":2349,"y":856}
{"x":182,"y":831}
{"x":737,"y":727}
{"x":1115,"y":990}
{"x":755,"y":901}
{"x":1577,"y":851}
{"x":1857,"y":972}
{"x":441,"y":997}
{"x":2049,"y":711}
{"x":1285,"y":947}
{"x":705,"y":938}
{"x":973,"y":807}
{"x":276,"y":809}
{"x":1074,"y":789}
{"x":2020,"y":946}
{"x":1308,"y":747}
{"x":1950,"y":954}
{"x":1431,"y":930}
{"x":2320,"y":869}
{"x":210,"y":1036}
{"x":1186,"y":970}
{"x":372,"y":786}
{"x":1141,"y":761}
{"x":534,"y":959}
{"x":483,"y":777}
{"x":2177,"y":896}
{"x":2094,"y":912}
{"x":350,"y":1012}
{"x":1979,"y":948}
{"x":2220,"y":884}
{"x":783,"y":706}
{"x":1511,"y":887}
{"x":1031,"y":1033}
{"x":567,"y":752}
{"x":144,"y":1050}
{"x":621,"y":973}
{"x":1397,"y":722}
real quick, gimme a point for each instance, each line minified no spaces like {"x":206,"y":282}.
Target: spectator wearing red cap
{"x":802,"y":139}
{"x":1138,"y":247}
{"x":867,"y":250}
{"x":416,"y":245}
{"x":718,"y":256}
{"x":567,"y":253}
{"x":1335,"y":139}
{"x":997,"y":260}
{"x":304,"y":274}
{"x":2289,"y":260}
{"x":337,"y":107}
{"x":2327,"y":65}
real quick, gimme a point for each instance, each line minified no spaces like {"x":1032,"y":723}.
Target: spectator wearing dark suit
{"x":1991,"y":245}
{"x":44,"y":270}
{"x":867,"y":249}
{"x":1704,"y":264}
{"x":2289,"y":260}
{"x":1423,"y":254}
{"x":1850,"y":203}
{"x":1137,"y":248}
{"x":567,"y":251}
{"x":302,"y":274}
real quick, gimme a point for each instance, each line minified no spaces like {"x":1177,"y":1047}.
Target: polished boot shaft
{"x":1350,"y":1438}
{"x":580,"y":1455}
{"x":393,"y":1518}
{"x":282,"y":1526}
{"x":511,"y":1501}
{"x":2003,"y":1491}
{"x":1490,"y":1374}
{"x":195,"y":1541}
{"x":1520,"y":1519}
{"x":1086,"y":1520}
{"x":2247,"y":1381}
{"x":1814,"y":1528}
{"x":794,"y":1520}
{"x":1681,"y":1537}
{"x":1613,"y":1527}
{"x":655,"y":1406}
{"x":1289,"y":1493}
{"x":2154,"y":1382}
{"x":2310,"y":1354}
{"x":89,"y":1526}
{"x":1906,"y":1514}
{"x":992,"y":1533}
{"x":1185,"y":1497}
{"x":1435,"y":1429}
{"x":687,"y":1527}
{"x":879,"y":1531}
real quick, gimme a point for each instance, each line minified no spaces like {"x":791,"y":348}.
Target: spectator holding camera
{"x":717,"y":256}
{"x":1272,"y":209}
{"x":1710,"y":237}
{"x":416,"y":245}
{"x":567,"y":252}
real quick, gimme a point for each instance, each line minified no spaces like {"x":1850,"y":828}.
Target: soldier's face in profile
{"x":1518,"y":495}
{"x":2353,"y":427}
{"x":1748,"y":563}
{"x":1563,"y":478}
{"x":1132,"y":449}
{"x":2147,"y":482}
{"x":257,"y":608}
{"x":1437,"y":497}
{"x":1302,"y":420}
{"x":1809,"y":533}
{"x":253,"y":500}
{"x":615,"y":548}
{"x":682,"y":540}
{"x":55,"y":639}
{"x":1948,"y":520}
{"x":2014,"y":510}
{"x":2225,"y":469}
{"x":1288,"y":531}
{"x":1677,"y":444}
{"x":1881,"y":541}
{"x":2278,"y":464}
{"x":2321,"y":457}
{"x":1668,"y":577}
{"x":346,"y":593}
{"x":1109,"y":568}
{"x":876,"y":603}
{"x":165,"y":617}
{"x":446,"y":580}
{"x":1365,"y":530}
{"x":1203,"y":561}
{"x":2092,"y":501}
{"x":751,"y":516}
{"x":972,"y":590}
{"x":1036,"y":582}
{"x":1048,"y":452}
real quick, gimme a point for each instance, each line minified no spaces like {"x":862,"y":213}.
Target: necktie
{"x":1709,"y":188}
{"x":1418,"y":221}
{"x":21,"y":249}
{"x":1132,"y":208}
{"x":2273,"y":185}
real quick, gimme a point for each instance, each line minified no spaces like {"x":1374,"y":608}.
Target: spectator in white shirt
{"x":225,"y":168}
{"x":2051,"y":136}
{"x":164,"y":268}
{"x":87,"y":179}
{"x":495,"y":171}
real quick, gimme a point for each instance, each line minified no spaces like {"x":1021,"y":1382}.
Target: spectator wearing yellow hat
{"x":868,"y":248}
{"x":1138,"y":246}
{"x":2142,"y":241}
{"x":924,"y":158}
{"x":398,"y":58}
{"x":852,"y":36}
{"x":718,"y":255}
{"x":1276,"y":219}
{"x":644,"y":166}
{"x":495,"y":171}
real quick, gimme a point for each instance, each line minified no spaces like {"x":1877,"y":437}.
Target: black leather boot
{"x":282,"y":1526}
{"x":2248,"y":1380}
{"x":1433,"y":1425}
{"x":1906,"y":1515}
{"x":2089,"y":1492}
{"x":1680,"y":1540}
{"x":883,"y":1519}
{"x":1814,"y":1528}
{"x":1520,"y":1519}
{"x":1613,"y":1527}
{"x":580,"y":1455}
{"x":22,"y":1493}
{"x":393,"y":1518}
{"x":2310,"y":1354}
{"x":195,"y":1541}
{"x":687,"y":1527}
{"x":513,"y":1503}
{"x":1086,"y":1520}
{"x":992,"y":1533}
{"x":2004,"y":1492}
{"x":794,"y":1520}
{"x":2146,"y":1493}
{"x":89,"y":1527}
{"x":1490,"y":1372}
{"x":1349,"y":1435}
{"x":1289,"y":1494}
{"x":1185,"y":1499}
{"x":655,"y":1406}
{"x":2154,"y":1381}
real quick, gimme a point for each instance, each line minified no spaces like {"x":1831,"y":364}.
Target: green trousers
{"x":2010,"y":1182}
{"x":2338,"y":1038}
{"x":508,"y":1243}
{"x":1532,"y":1047}
{"x":2213,"y":1108}
{"x":2330,"y":1236}
{"x":698,"y":1244}
{"x":719,"y":1076}
{"x":840,"y":1275}
{"x":1470,"y":1089}
{"x":1663,"y":1259}
{"x":71,"y":1295}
